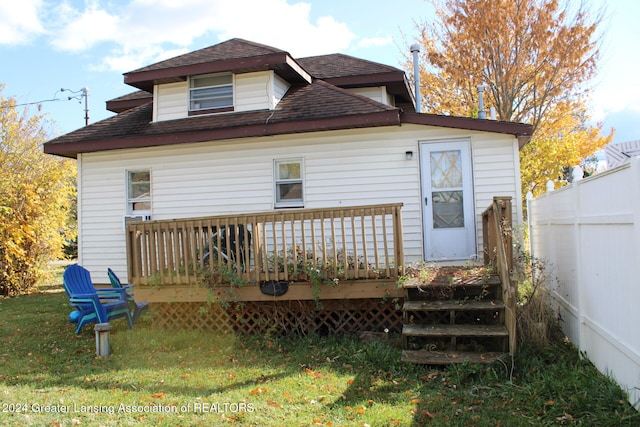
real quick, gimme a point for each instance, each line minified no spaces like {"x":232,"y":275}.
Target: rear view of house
{"x":278,"y":160}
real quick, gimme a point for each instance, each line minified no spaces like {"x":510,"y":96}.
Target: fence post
{"x":579,"y":254}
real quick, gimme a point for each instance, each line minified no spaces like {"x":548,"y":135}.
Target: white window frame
{"x":295,"y":203}
{"x":208,"y":110}
{"x":131,"y":201}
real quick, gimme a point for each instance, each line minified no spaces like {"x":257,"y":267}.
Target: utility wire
{"x":54,"y":99}
{"x":78,"y":94}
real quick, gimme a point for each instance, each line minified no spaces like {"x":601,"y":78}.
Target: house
{"x":240,"y":128}
{"x":619,"y":153}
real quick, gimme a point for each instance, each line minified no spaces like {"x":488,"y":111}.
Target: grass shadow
{"x":303,"y":380}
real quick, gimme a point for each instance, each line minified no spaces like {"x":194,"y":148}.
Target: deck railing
{"x":362,"y":242}
{"x":498,"y":252}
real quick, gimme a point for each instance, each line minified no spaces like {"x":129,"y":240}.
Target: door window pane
{"x":446,"y":174}
{"x":446,"y":169}
{"x":448,"y":211}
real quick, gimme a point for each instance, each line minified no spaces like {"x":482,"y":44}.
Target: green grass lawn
{"x":51,"y":377}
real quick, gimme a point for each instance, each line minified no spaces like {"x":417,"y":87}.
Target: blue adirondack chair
{"x":94,"y":305}
{"x":135,"y":308}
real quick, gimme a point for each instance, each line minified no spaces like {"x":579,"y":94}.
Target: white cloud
{"x":79,"y":31}
{"x":19,"y":21}
{"x":141,"y":31}
{"x":127,"y":61}
{"x":615,"y":96}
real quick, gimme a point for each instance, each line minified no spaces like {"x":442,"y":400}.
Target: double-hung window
{"x":210,"y":93}
{"x":139,"y":192}
{"x":289,"y":183}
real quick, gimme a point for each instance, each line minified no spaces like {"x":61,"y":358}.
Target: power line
{"x":79,"y":95}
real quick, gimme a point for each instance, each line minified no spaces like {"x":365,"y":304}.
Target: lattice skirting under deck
{"x":281,"y":317}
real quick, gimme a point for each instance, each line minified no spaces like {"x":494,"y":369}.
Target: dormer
{"x":232,"y":76}
{"x":218,"y":93}
{"x":382,"y":83}
{"x":241,"y":76}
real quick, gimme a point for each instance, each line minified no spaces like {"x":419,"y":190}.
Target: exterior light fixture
{"x":409,"y":155}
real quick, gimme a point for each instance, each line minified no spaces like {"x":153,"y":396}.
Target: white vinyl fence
{"x":589,"y":234}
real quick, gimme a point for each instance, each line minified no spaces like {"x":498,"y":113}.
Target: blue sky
{"x":46,"y":45}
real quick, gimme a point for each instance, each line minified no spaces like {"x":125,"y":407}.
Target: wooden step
{"x":492,"y":280}
{"x":448,"y":305}
{"x":426,"y":357}
{"x":455,"y":330}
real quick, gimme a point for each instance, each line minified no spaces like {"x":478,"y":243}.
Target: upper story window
{"x":139,"y":192}
{"x":210,"y":93}
{"x":289,"y":183}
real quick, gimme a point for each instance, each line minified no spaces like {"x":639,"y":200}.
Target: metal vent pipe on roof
{"x":481,"y":113}
{"x":415,"y":50}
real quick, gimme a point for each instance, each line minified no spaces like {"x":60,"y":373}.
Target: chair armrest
{"x":111,"y":292}
{"x":85,"y":297}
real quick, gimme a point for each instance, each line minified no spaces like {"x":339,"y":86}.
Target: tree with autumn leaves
{"x":37,"y":196}
{"x":535,"y":60}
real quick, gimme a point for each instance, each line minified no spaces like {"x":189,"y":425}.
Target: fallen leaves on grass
{"x":258,"y":390}
{"x":564,"y":418}
{"x":312,"y":373}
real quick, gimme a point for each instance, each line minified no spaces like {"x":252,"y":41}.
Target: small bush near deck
{"x":157,"y":378}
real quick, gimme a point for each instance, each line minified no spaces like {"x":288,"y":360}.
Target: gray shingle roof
{"x":304,"y":108}
{"x":227,"y":50}
{"x":308,"y":106}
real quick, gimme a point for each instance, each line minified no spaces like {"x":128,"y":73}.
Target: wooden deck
{"x":340,"y":268}
{"x":298,"y":291}
{"x":333,"y":253}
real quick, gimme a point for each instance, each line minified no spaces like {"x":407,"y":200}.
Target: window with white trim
{"x":210,"y":93}
{"x":289,"y":188}
{"x":139,"y":192}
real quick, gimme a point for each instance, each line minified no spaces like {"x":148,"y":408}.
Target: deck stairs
{"x":454,"y":316}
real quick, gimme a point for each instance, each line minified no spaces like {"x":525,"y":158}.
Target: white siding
{"x":378,"y":93}
{"x":495,"y":158}
{"x":253,"y":91}
{"x":171,"y":101}
{"x":342,"y":168}
{"x":280,"y":88}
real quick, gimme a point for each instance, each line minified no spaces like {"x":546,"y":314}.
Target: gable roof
{"x":316,"y":101}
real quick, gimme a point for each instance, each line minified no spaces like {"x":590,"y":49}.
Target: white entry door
{"x":447,"y":190}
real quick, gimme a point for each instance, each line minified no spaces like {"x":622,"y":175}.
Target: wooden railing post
{"x":129,"y":237}
{"x":398,"y":243}
{"x":498,"y":251}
